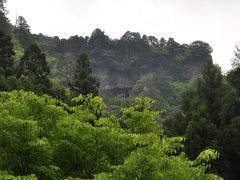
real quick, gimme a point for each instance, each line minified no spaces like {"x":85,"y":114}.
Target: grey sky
{"x":213,"y":21}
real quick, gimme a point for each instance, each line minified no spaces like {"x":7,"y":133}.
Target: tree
{"x":4,"y":22}
{"x":6,"y":55}
{"x":209,"y":104}
{"x":233,"y":75}
{"x":22,"y":31}
{"x":211,"y":91}
{"x":83,"y":81}
{"x":40,"y":138}
{"x":236,"y":59}
{"x":173,"y":47}
{"x":2,"y":5}
{"x":150,"y":40}
{"x":231,"y":143}
{"x":98,"y":39}
{"x":26,"y":122}
{"x":201,"y":48}
{"x":7,"y":80}
{"x":230,"y":135}
{"x":131,"y":36}
{"x":33,"y":70}
{"x":162,"y":43}
{"x":140,"y":119}
{"x":75,"y":43}
{"x":158,"y":161}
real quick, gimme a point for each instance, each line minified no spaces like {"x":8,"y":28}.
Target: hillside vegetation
{"x":83,"y":108}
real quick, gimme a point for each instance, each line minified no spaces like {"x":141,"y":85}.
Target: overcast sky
{"x":213,"y":21}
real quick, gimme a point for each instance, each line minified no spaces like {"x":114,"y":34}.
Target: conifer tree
{"x":4,"y":22}
{"x":83,"y":81}
{"x":22,"y":31}
{"x":34,"y":70}
{"x":6,"y":55}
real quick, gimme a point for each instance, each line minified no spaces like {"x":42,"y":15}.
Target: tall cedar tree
{"x":210,"y":106}
{"x":6,"y":53}
{"x":34,"y":70}
{"x":234,"y":74}
{"x":83,"y":81}
{"x":202,"y":108}
{"x":212,"y":90}
{"x":22,"y":31}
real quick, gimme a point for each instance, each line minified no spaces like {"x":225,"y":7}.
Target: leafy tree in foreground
{"x":26,"y":121}
{"x":140,"y":119}
{"x":83,"y":81}
{"x":151,"y":162}
{"x":39,"y":137}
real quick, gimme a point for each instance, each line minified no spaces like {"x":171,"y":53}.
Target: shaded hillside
{"x":132,"y":65}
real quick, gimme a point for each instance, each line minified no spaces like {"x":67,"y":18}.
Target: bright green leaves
{"x":150,"y":162}
{"x":21,"y":149}
{"x":94,"y":105}
{"x":26,"y":105}
{"x":89,"y":108}
{"x":83,"y":150}
{"x":6,"y":176}
{"x":139,"y":118}
{"x":42,"y":136}
{"x":26,"y":121}
{"x":205,"y":157}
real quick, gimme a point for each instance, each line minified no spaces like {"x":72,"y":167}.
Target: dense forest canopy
{"x":83,"y":108}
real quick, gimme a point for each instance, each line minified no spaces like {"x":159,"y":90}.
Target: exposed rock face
{"x":110,"y":80}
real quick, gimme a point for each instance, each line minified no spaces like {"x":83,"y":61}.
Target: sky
{"x":213,"y":21}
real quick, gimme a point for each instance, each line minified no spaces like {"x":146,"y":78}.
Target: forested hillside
{"x":131,"y":66}
{"x":127,"y":67}
{"x":83,"y":108}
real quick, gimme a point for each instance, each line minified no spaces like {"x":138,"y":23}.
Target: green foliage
{"x":205,"y":157}
{"x":5,"y":25}
{"x":39,"y":136}
{"x":200,"y":134}
{"x":147,"y":64}
{"x":209,"y":103}
{"x":82,"y":150}
{"x":6,"y":176}
{"x":84,"y":82}
{"x":22,"y":32}
{"x":230,"y":142}
{"x":47,"y":138}
{"x":139,"y":118}
{"x":33,"y":71}
{"x":21,"y":149}
{"x":234,"y":74}
{"x":93,"y":104}
{"x":6,"y":55}
{"x":152,"y":162}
